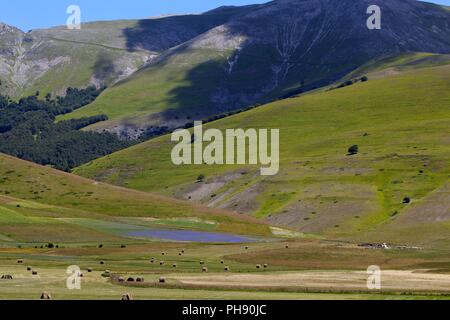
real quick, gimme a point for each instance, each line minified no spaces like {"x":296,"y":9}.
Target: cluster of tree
{"x":350,"y":82}
{"x":28,"y":130}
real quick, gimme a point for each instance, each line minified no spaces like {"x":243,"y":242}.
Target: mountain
{"x":265,"y":52}
{"x":399,"y":119}
{"x":101,"y":53}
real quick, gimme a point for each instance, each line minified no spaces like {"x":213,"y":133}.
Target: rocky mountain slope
{"x":266,"y":52}
{"x":101,"y":53}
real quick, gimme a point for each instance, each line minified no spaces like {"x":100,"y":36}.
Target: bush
{"x":353,"y":150}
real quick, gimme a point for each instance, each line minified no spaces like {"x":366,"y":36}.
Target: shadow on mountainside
{"x":289,"y":48}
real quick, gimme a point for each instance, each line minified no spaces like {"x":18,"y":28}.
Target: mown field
{"x":305,"y":270}
{"x":400,"y":122}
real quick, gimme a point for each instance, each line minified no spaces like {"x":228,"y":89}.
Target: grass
{"x":134,"y":260}
{"x":151,"y":91}
{"x":41,"y":195}
{"x":399,"y":122}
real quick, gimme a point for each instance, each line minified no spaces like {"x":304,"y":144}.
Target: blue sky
{"x":32,"y":14}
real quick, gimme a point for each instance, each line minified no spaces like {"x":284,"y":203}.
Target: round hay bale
{"x":7,"y":277}
{"x":227,"y":268}
{"x":287,"y":246}
{"x":222,"y":262}
{"x":127,"y":297}
{"x":120,"y":279}
{"x":180,"y":254}
{"x":163,"y":253}
{"x":202,"y":262}
{"x":162,"y":280}
{"x":106,"y":274}
{"x":258,"y":266}
{"x":102,"y":262}
{"x":140,"y":279}
{"x":90,"y":269}
{"x":130,"y":279}
{"x":81,"y":275}
{"x":204,"y":269}
{"x":247,"y":247}
{"x":46,"y":296}
{"x":29,"y":268}
{"x":266,"y":266}
{"x":174,"y":265}
{"x":161,"y":263}
{"x":20,"y":261}
{"x":34,"y":273}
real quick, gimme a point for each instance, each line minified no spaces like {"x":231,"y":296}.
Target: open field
{"x":403,"y":277}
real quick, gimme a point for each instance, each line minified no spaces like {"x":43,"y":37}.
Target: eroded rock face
{"x":285,"y":47}
{"x":38,"y":59}
{"x":302,"y":44}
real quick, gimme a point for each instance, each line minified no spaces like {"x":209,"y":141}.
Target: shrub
{"x":353,"y":150}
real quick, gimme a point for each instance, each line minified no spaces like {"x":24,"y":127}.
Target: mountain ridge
{"x":264,"y":53}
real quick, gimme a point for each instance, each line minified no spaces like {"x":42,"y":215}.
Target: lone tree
{"x":353,"y":150}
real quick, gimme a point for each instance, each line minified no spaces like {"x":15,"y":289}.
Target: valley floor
{"x":299,"y":270}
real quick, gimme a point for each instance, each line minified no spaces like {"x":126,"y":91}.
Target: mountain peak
{"x":6,"y":28}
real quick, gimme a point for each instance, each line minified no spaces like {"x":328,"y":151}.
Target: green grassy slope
{"x":50,"y":60}
{"x":400,"y":123}
{"x":38,"y":203}
{"x":146,"y":94}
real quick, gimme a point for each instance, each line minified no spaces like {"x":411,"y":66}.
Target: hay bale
{"x":34,"y":273}
{"x":180,"y":254}
{"x":106,"y":274}
{"x":162,"y":280}
{"x":161,"y":263}
{"x":202,"y":262}
{"x":29,"y":268}
{"x":247,"y":247}
{"x":120,"y":279}
{"x":163,"y":253}
{"x":222,"y":262}
{"x":90,"y":269}
{"x":182,"y":251}
{"x":130,"y":279}
{"x":227,"y":268}
{"x":7,"y":277}
{"x":258,"y":266}
{"x":266,"y":266}
{"x":20,"y":261}
{"x":174,"y":265}
{"x":102,"y":262}
{"x":127,"y":297}
{"x":46,"y":296}
{"x":140,"y":279}
{"x":81,"y":275}
{"x":204,"y":269}
{"x":287,"y":246}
